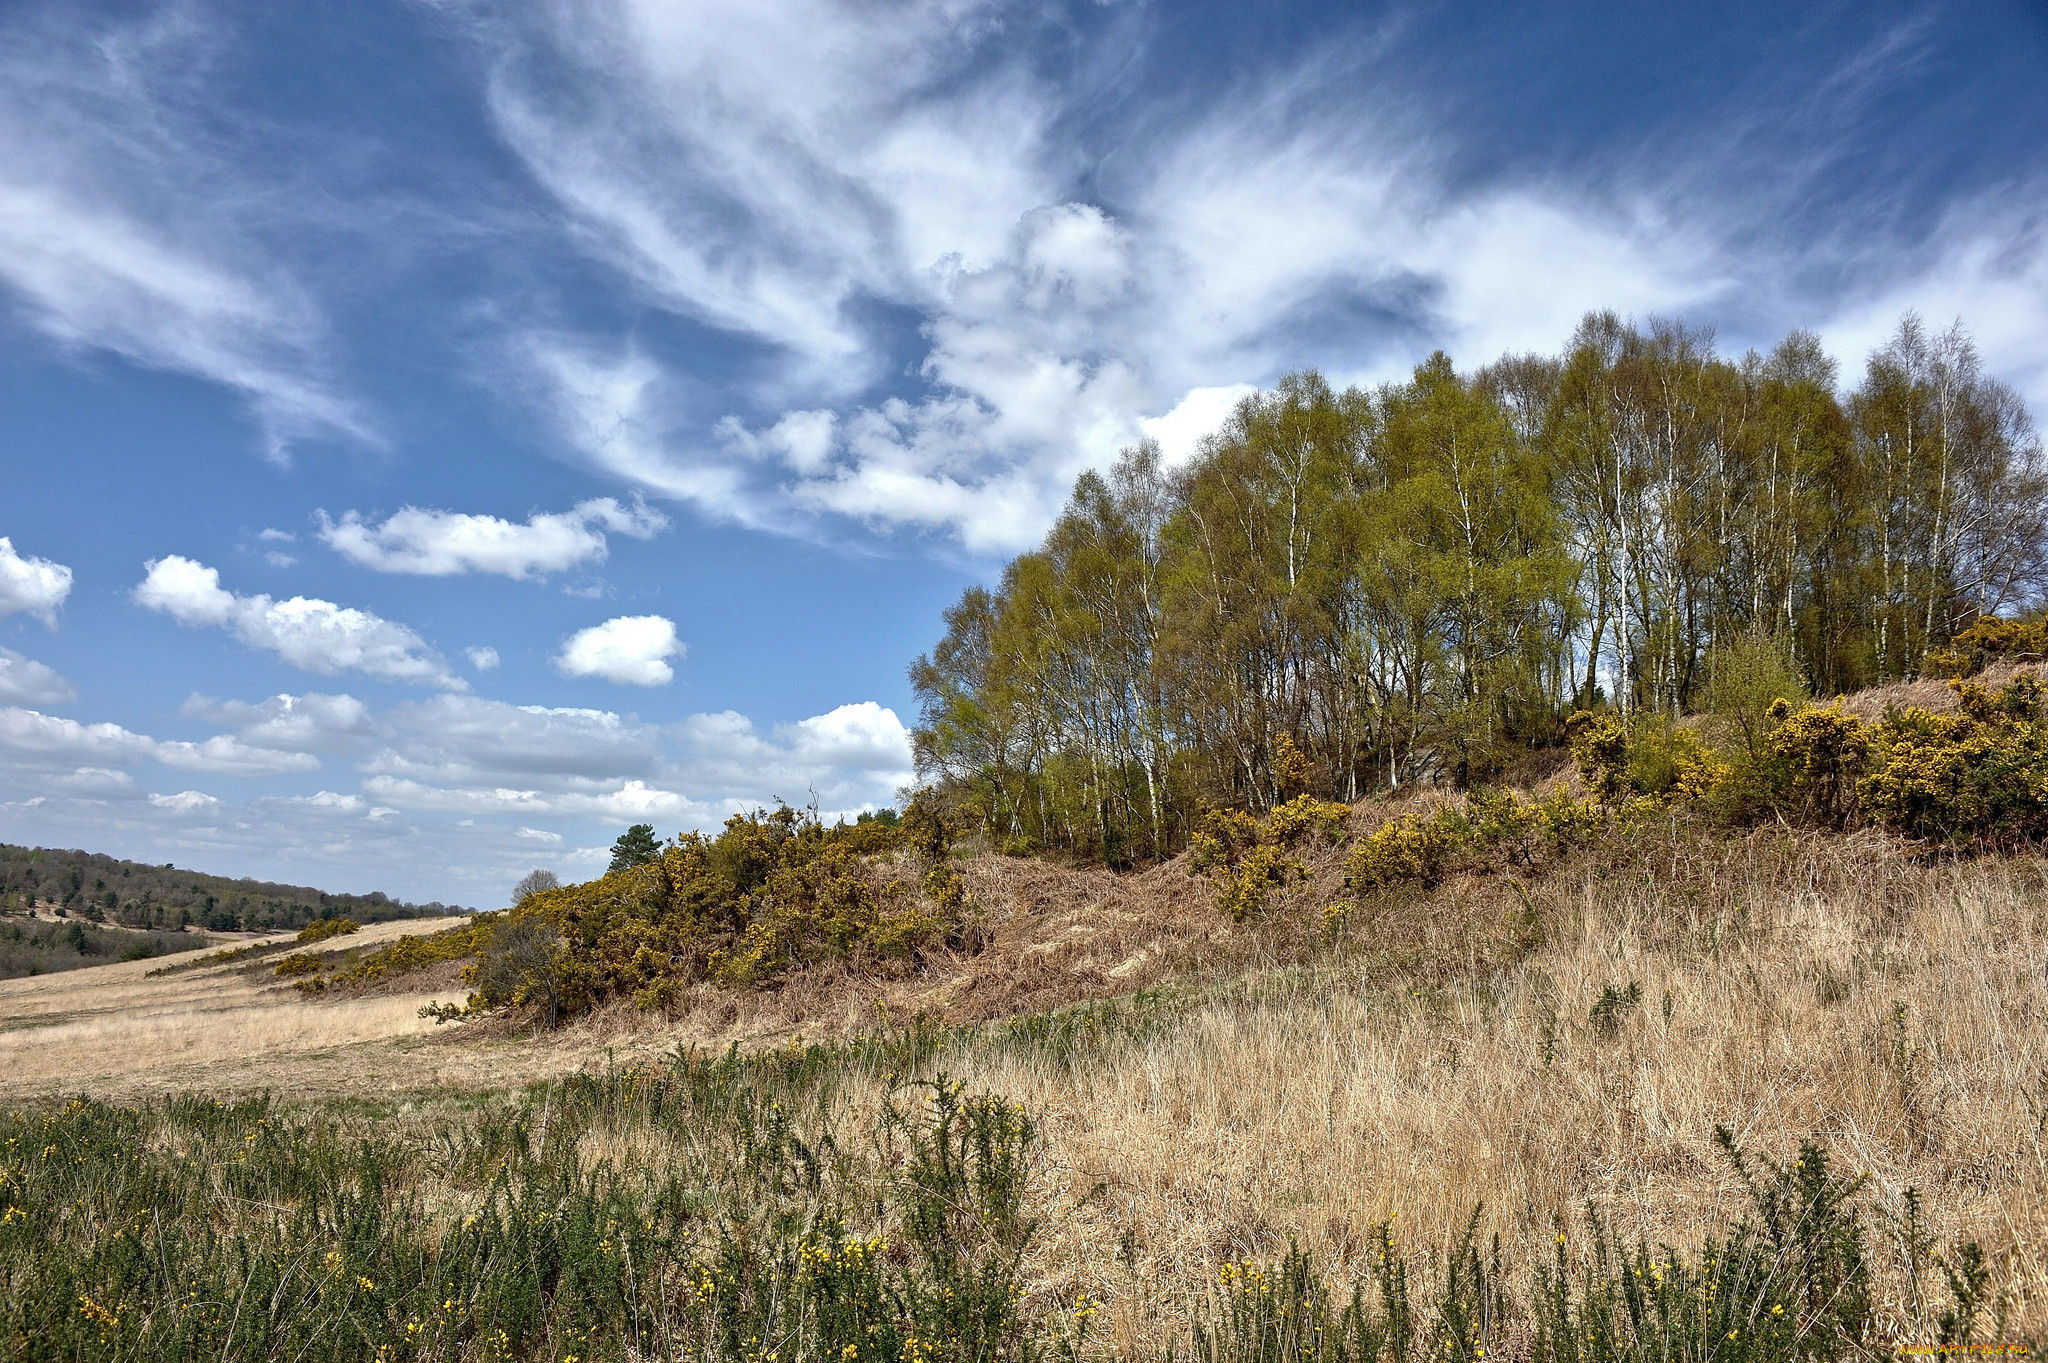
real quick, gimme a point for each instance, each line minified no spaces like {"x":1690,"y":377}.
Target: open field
{"x":184,"y":1022}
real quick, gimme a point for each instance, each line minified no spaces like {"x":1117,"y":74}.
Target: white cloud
{"x":631,"y":650}
{"x":464,"y":740}
{"x":445,"y":543}
{"x":226,"y":755}
{"x":1987,"y":264}
{"x":1200,"y":413}
{"x":482,"y":657}
{"x":315,"y":635}
{"x":900,"y":156}
{"x":864,"y":736}
{"x":618,"y":410}
{"x":35,"y":585}
{"x":277,"y":560}
{"x":189,"y":802}
{"x":31,"y":738}
{"x":24,"y":681}
{"x":307,"y":723}
{"x":92,"y":781}
{"x":277,"y":536}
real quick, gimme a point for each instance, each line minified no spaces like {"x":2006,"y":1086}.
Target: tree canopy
{"x":1420,"y":582}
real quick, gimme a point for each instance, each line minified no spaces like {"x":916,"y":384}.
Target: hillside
{"x":1528,"y":1040}
{"x":102,"y":888}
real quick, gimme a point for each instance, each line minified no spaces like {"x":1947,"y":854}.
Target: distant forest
{"x":1424,"y":582}
{"x":102,"y":889}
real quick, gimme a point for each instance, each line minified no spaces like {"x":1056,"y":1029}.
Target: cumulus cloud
{"x":288,"y":723}
{"x":632,"y":650}
{"x":445,"y":543}
{"x":186,"y":802}
{"x":315,"y":635}
{"x":35,"y":585}
{"x":510,"y":777}
{"x":226,"y":755}
{"x":24,"y":681}
{"x":33,"y":739}
{"x":465,"y":740}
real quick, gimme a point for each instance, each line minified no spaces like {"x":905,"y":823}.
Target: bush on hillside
{"x":320,"y":929}
{"x":1488,"y":827}
{"x":1974,"y":775}
{"x":1989,"y":639}
{"x":1250,"y":857}
{"x":772,"y":893}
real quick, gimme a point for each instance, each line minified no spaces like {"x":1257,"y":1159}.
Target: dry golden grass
{"x":181,"y":1022}
{"x":1893,"y":1013}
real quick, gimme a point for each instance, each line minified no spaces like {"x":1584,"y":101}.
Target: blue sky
{"x":437,"y":435}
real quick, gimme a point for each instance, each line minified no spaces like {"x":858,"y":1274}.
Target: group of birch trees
{"x":1421,"y":582}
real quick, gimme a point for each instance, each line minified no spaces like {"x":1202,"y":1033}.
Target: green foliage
{"x":31,"y":946}
{"x":1422,"y":848}
{"x":411,"y":953}
{"x":637,"y":846}
{"x":727,"y":1209}
{"x":1746,"y":676}
{"x":1612,"y":1010}
{"x":1989,"y":639}
{"x":1411,"y":847}
{"x":1789,"y":1283}
{"x":1977,"y":774}
{"x":1250,"y":858}
{"x":1647,"y":760}
{"x":1350,"y":591}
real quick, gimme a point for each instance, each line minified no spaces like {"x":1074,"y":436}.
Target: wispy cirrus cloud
{"x":778,"y":175}
{"x":125,"y":221}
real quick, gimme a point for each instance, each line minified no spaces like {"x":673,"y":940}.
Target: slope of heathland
{"x":1537,"y":1040}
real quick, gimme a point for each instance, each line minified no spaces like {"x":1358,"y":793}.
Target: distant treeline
{"x":1425,"y":581}
{"x":103,"y":889}
{"x":42,"y":948}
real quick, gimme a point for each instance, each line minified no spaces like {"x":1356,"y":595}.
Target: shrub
{"x":1989,"y":639}
{"x":1410,"y":847}
{"x":1421,"y":848}
{"x":1813,"y":760}
{"x":1649,"y":759}
{"x":1746,"y":676}
{"x":773,"y":892}
{"x":299,"y":963}
{"x":1249,"y":857}
{"x":1977,"y":774}
{"x":320,"y":929}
